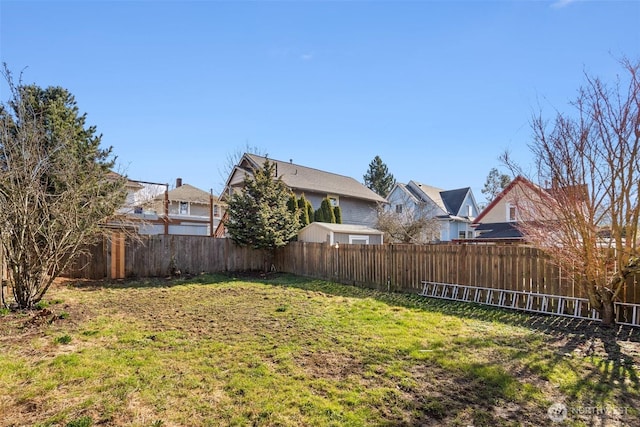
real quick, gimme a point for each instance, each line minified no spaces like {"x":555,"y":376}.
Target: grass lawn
{"x":288,"y":351}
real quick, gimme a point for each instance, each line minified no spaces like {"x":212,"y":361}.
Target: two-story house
{"x":452,"y":211}
{"x":523,"y":203}
{"x":185,"y":210}
{"x":358,"y":204}
{"x":499,"y":220}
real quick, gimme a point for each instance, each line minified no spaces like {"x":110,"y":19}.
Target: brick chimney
{"x":178,"y":182}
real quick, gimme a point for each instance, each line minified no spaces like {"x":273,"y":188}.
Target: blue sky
{"x":437,"y":89}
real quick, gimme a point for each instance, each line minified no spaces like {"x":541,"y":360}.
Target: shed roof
{"x":344,"y":228}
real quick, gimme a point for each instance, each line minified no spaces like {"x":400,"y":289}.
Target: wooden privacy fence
{"x":159,"y":255}
{"x":403,"y":267}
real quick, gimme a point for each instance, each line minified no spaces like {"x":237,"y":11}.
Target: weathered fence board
{"x":394,"y":267}
{"x":156,"y":256}
{"x":404,"y":267}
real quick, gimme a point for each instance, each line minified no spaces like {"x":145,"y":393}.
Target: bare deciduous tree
{"x":587,"y":217}
{"x":56,"y":187}
{"x":412,"y":222}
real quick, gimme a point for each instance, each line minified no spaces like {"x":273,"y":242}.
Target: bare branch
{"x":584,"y":211}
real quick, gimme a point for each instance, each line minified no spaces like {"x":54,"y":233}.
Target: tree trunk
{"x":608,"y":314}
{"x":607,"y":295}
{"x":267,"y":260}
{"x":607,"y":308}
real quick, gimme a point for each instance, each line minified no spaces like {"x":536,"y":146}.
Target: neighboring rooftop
{"x":498,"y":230}
{"x":187,"y":193}
{"x":450,"y":201}
{"x":302,"y":178}
{"x":345,"y":228}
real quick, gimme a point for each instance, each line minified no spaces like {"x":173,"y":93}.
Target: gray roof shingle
{"x":188,"y":193}
{"x":453,"y":199}
{"x":302,"y":178}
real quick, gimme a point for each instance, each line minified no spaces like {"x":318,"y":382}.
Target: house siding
{"x":456,"y":227}
{"x":464,"y":210}
{"x":314,"y":198}
{"x":237,"y":179}
{"x":358,"y":212}
{"x":498,"y":212}
{"x":398,"y":197}
{"x":445,"y":231}
{"x":355,"y":212}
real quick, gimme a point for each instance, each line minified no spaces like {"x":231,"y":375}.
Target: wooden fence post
{"x":117,"y":255}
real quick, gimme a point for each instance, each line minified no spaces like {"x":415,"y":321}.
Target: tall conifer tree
{"x":259,"y":216}
{"x":378,"y":177}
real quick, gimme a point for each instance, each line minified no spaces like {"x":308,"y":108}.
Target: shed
{"x":323,"y":232}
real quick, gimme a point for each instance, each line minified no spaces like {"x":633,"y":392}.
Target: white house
{"x":454,"y":210}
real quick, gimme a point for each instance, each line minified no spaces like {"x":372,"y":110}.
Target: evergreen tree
{"x":303,"y":212}
{"x":292,"y":203}
{"x":258,"y":216}
{"x":338,"y":214}
{"x":378,"y":177}
{"x":495,"y":183}
{"x":318,"y":215}
{"x":327,"y":211}
{"x":310,"y":212}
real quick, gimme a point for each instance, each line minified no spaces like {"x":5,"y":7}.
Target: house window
{"x":512,"y":212}
{"x":184,"y":208}
{"x":398,"y":208}
{"x":462,"y":234}
{"x":469,"y":211}
{"x":334,"y":200}
{"x":216,"y":210}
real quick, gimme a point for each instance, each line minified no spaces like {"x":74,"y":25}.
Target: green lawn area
{"x":288,"y":351}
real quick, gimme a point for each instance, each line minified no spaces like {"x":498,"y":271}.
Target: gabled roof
{"x":415,"y":198}
{"x":453,"y":199}
{"x":450,"y":201}
{"x":516,"y":181}
{"x":426,"y":192}
{"x":187,"y":193}
{"x":302,"y":178}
